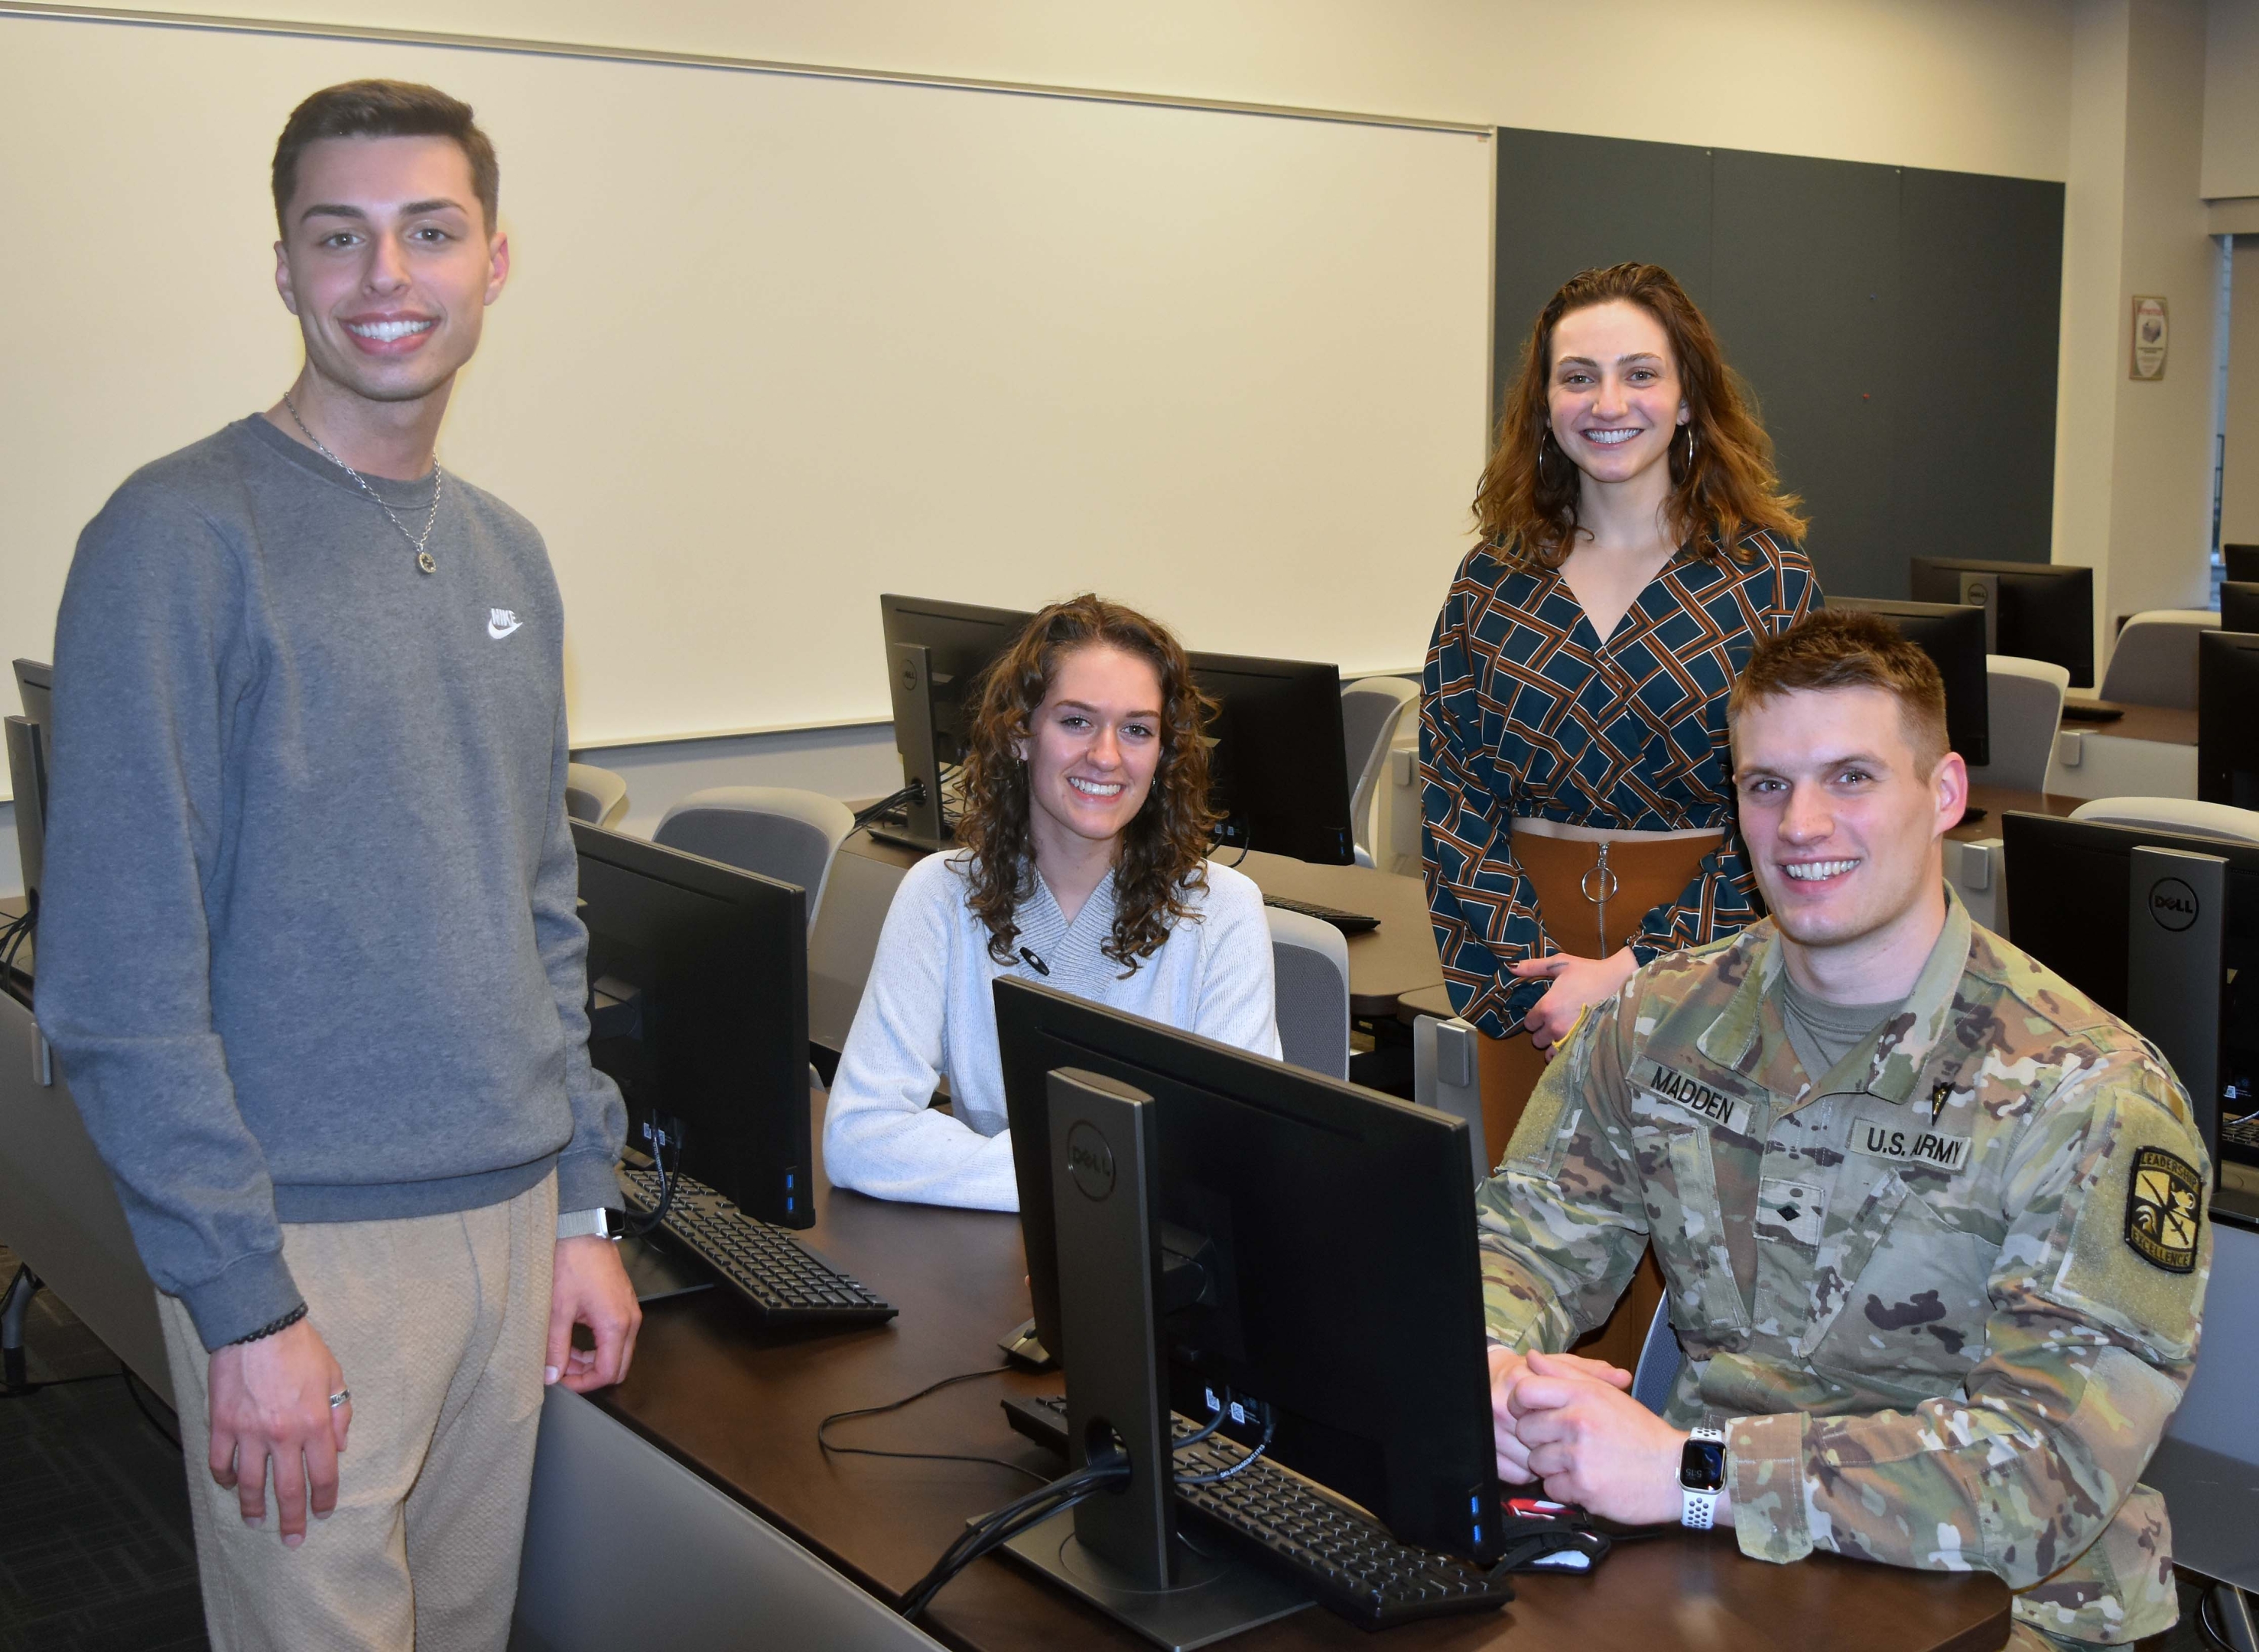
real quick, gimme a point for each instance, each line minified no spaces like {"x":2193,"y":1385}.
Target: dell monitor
{"x":937,"y":654}
{"x":1281,"y":775}
{"x":29,"y":744}
{"x":1952,"y":634}
{"x":698,"y":1009}
{"x":2238,"y":605}
{"x":2241,"y":562}
{"x":1333,"y":1230}
{"x":2035,"y":610}
{"x":2227,"y":718}
{"x":2164,"y":931}
{"x":1279,"y":771}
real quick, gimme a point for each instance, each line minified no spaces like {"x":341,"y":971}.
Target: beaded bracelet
{"x":271,"y":1326}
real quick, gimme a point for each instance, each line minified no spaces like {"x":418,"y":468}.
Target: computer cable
{"x":993,"y":1530}
{"x":16,"y":932}
{"x":1270,"y":1426}
{"x":2209,"y":1629}
{"x":914,"y":792}
{"x":824,"y":1443}
{"x":660,"y":1141}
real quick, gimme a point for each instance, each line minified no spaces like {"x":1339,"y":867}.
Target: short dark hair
{"x":1842,"y":648}
{"x":384,"y":109}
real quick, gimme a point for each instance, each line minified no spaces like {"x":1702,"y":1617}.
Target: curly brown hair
{"x":1526,"y":502}
{"x":1163,"y":854}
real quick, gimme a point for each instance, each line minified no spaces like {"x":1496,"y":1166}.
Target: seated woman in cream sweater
{"x":1083,"y":865}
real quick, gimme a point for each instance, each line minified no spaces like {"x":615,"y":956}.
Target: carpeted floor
{"x":96,"y":1553}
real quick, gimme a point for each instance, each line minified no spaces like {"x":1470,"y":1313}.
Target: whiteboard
{"x":775,"y":343}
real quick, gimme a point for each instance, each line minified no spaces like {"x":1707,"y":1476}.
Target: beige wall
{"x":1978,"y":88}
{"x":2238,"y":500}
{"x":2133,"y":458}
{"x":2231,"y":99}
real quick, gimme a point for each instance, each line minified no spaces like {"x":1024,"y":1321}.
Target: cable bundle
{"x":992,"y":1530}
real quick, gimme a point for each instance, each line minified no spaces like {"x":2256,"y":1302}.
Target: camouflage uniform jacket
{"x":1977,"y":1250}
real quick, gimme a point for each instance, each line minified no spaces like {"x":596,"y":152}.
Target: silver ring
{"x":339,"y":1397}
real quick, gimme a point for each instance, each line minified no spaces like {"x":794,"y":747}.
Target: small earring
{"x":1690,"y":443}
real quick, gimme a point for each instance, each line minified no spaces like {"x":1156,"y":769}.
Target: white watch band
{"x":582,"y":1224}
{"x":1698,"y":1510}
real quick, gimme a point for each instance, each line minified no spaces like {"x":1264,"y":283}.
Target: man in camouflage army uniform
{"x":1933,"y":1222}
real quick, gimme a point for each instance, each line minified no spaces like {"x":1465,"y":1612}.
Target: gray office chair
{"x":2154,"y":663}
{"x":626,"y":1548}
{"x":776,"y":831}
{"x":1660,"y":1357}
{"x":1371,"y":707}
{"x":1310,"y":963}
{"x":2183,"y":814}
{"x":2026,"y":702}
{"x":1446,"y":1076}
{"x":596,"y":795}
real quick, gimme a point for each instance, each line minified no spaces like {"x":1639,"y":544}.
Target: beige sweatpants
{"x":439,"y":1323}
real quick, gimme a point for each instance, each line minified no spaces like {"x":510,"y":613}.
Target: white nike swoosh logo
{"x":500,"y":631}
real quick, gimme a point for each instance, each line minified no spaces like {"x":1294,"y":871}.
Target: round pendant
{"x":424,"y":563}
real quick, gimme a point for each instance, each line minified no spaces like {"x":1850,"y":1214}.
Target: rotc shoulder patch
{"x":2164,"y":1204}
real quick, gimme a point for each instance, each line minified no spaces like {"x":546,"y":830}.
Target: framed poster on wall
{"x":2151,"y":335}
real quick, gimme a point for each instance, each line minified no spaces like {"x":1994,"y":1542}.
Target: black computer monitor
{"x":1952,"y":634}
{"x":2241,"y":562}
{"x":2039,"y":610}
{"x":936,"y":655}
{"x":28,"y":738}
{"x":1281,"y":773}
{"x":2181,"y":964}
{"x":1336,"y":1229}
{"x":2227,"y":718}
{"x":698,"y":984}
{"x":2238,"y":605}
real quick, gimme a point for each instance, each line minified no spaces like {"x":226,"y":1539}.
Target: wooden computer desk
{"x":2149,"y":751}
{"x":740,"y":1407}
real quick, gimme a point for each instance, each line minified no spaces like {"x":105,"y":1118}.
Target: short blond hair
{"x":1840,"y":648}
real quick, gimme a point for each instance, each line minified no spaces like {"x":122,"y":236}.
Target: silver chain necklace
{"x":424,"y":563}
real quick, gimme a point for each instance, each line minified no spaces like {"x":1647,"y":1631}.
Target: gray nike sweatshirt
{"x":308,"y":948}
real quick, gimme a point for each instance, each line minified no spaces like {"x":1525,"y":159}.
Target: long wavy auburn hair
{"x":1525,"y":505}
{"x":1163,"y":854}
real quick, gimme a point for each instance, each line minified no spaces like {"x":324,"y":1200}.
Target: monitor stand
{"x":1120,"y":1550}
{"x":926,"y":823}
{"x":656,"y":1274}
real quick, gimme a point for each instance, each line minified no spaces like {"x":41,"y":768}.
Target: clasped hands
{"x":1571,"y":1423}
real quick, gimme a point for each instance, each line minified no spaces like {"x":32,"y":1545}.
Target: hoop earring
{"x":1689,"y":444}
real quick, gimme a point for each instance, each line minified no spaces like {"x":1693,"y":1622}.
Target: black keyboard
{"x":1337,"y":1555}
{"x":1347,"y":923}
{"x":2091,"y":711}
{"x":783,"y":1281}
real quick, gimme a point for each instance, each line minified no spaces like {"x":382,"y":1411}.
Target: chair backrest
{"x":1660,"y":1357}
{"x":2025,"y":704}
{"x":1310,"y":964}
{"x":1371,"y":710}
{"x":596,"y":795}
{"x":776,"y":831}
{"x":2182,"y":814}
{"x":2154,"y":663}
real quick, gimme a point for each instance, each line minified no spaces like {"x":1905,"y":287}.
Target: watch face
{"x":1702,"y":1466}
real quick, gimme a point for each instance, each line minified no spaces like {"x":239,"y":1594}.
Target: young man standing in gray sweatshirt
{"x":309,"y":951}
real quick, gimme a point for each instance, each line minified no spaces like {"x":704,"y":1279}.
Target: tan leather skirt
{"x":1591,"y":909}
{"x":1593,"y":897}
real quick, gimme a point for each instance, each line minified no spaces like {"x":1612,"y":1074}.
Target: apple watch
{"x":1701,"y":1476}
{"x":602,"y":1222}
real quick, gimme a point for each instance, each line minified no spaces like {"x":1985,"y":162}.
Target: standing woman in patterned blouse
{"x":1577,"y":784}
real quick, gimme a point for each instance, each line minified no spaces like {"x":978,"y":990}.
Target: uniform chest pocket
{"x":1900,"y":1297}
{"x":1686,"y":1226}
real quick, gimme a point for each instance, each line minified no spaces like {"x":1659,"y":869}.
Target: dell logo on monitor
{"x":1089,"y":1160}
{"x":2172,"y":903}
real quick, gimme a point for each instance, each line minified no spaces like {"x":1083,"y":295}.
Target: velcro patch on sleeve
{"x":2164,"y":1210}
